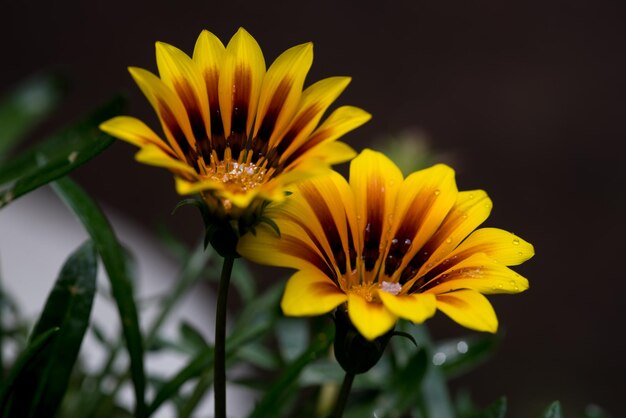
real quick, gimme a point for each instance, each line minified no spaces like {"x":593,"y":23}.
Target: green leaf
{"x":23,"y":361}
{"x":278,"y":393}
{"x":114,"y":260}
{"x":56,"y":156}
{"x":553,"y":411}
{"x":244,"y":282}
{"x":200,"y":363}
{"x":25,"y":107}
{"x":192,"y":338}
{"x":259,"y":356}
{"x":43,"y":384}
{"x":293,"y":337}
{"x":433,"y":397}
{"x":594,"y":411}
{"x":464,"y":354}
{"x":257,"y":318}
{"x":495,"y":410}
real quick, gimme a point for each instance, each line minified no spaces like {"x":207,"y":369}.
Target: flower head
{"x":388,"y":248}
{"x":235,"y":132}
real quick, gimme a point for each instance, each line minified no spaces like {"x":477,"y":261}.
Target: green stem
{"x":220,"y":339}
{"x":342,"y":400}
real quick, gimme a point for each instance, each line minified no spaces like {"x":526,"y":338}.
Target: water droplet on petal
{"x":448,"y":240}
{"x":515,"y":241}
{"x":437,"y":192}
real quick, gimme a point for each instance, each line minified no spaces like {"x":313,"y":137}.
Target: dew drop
{"x":462,"y":347}
{"x":471,"y":196}
{"x":394,"y":241}
{"x":407,"y":242}
{"x":439,"y":358}
{"x":448,"y":240}
{"x":515,"y":241}
{"x":437,"y":192}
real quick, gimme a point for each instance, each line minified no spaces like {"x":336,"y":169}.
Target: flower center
{"x":238,"y":177}
{"x":244,"y":176}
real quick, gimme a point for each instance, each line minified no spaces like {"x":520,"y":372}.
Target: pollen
{"x":367,"y":292}
{"x":238,"y":177}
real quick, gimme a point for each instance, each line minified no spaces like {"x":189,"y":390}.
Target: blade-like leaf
{"x":201,"y":362}
{"x":256,"y":320}
{"x":553,"y":411}
{"x":279,"y":391}
{"x":495,"y":410}
{"x":462,"y":355}
{"x":42,"y":385}
{"x":56,"y":156}
{"x":25,"y":107}
{"x":114,"y":260}
{"x":23,"y":361}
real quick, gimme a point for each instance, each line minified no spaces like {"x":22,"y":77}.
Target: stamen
{"x":238,"y":177}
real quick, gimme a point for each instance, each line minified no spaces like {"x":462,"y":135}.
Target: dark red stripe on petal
{"x":303,"y":119}
{"x":325,"y":217}
{"x":313,"y":140}
{"x":375,"y":219}
{"x":443,"y":265}
{"x":400,"y":245}
{"x":293,"y":246}
{"x":327,"y":261}
{"x":260,"y":141}
{"x":239,"y":117}
{"x":172,"y":124}
{"x":211,"y":79}
{"x":351,"y":247}
{"x":186,"y":94}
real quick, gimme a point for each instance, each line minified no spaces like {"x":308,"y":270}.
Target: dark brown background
{"x":527,"y":95}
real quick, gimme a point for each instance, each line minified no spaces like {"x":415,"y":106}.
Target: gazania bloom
{"x":235,"y":132}
{"x":383,"y":248}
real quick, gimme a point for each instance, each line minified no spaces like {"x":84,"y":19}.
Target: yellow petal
{"x":169,"y":108}
{"x":329,"y":153}
{"x":470,"y":210}
{"x":478,"y":272}
{"x":208,"y":54}
{"x":133,"y":131}
{"x":182,"y":76}
{"x":340,"y":122}
{"x":416,"y":307}
{"x":310,"y":293}
{"x":375,"y":181}
{"x":314,"y":102}
{"x":371,"y":319}
{"x":294,"y":248}
{"x":424,"y":200}
{"x":185,"y":187}
{"x":470,"y":309}
{"x":281,"y":92}
{"x":240,"y":82}
{"x":153,"y":155}
{"x":500,"y":245}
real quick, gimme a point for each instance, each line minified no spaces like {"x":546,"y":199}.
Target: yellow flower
{"x":389,"y":248}
{"x":236,"y":133}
